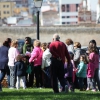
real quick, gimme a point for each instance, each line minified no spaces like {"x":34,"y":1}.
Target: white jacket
{"x":46,"y":58}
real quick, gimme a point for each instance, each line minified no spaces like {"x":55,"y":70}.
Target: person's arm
{"x":81,"y":67}
{"x":34,"y":55}
{"x":24,"y":49}
{"x":77,"y":55}
{"x":43,"y":61}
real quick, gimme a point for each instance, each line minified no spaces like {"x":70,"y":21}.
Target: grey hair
{"x":56,"y":37}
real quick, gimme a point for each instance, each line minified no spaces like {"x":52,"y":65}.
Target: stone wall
{"x":76,"y":33}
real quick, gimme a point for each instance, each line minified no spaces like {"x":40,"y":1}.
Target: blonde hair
{"x":14,"y":43}
{"x":37,"y":43}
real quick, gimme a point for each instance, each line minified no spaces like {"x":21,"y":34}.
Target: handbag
{"x":29,"y":68}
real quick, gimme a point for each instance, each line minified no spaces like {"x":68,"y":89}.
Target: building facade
{"x":68,"y":10}
{"x":6,"y":9}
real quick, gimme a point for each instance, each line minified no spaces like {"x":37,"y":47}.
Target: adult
{"x":77,"y":53}
{"x":69,"y":44}
{"x":27,"y":47}
{"x":36,"y":57}
{"x":59,"y":52}
{"x":4,"y":61}
{"x":12,"y":54}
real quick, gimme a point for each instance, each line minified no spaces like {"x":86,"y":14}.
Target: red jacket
{"x":59,"y":50}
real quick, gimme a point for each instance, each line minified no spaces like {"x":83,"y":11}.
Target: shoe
{"x":24,"y":88}
{"x":87,"y":89}
{"x":11,"y":88}
{"x":0,"y":90}
{"x":66,"y":89}
{"x":93,"y":90}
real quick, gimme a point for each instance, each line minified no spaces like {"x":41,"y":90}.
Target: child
{"x":81,"y":72}
{"x":20,"y":72}
{"x":69,"y":73}
{"x":91,"y":68}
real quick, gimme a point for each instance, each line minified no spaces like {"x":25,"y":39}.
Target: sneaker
{"x":66,"y":88}
{"x":0,"y":90}
{"x":11,"y":88}
{"x":24,"y":88}
{"x":94,"y":90}
{"x":87,"y":89}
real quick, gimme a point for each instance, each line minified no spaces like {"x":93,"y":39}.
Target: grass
{"x":46,"y":94}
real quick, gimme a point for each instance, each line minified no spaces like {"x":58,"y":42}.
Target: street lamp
{"x":38,"y":4}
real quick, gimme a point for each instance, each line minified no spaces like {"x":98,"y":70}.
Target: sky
{"x":94,"y":5}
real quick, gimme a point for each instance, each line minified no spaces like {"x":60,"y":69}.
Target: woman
{"x":4,"y":60}
{"x":36,"y":57}
{"x":77,"y":53}
{"x":12,"y":54}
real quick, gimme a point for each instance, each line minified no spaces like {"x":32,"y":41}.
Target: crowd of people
{"x":57,"y":65}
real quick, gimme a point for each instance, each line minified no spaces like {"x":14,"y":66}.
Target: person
{"x":27,"y":47}
{"x":77,"y":53}
{"x":69,"y":75}
{"x":69,"y":44}
{"x":4,"y":61}
{"x":46,"y":61}
{"x":12,"y":53}
{"x":93,"y":57}
{"x":59,"y":52}
{"x":36,"y":58}
{"x":82,"y":72}
{"x":20,"y":71}
{"x":93,"y":43}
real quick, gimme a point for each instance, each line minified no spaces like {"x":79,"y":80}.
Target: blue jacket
{"x":3,"y":57}
{"x":20,"y":69}
{"x":82,"y":70}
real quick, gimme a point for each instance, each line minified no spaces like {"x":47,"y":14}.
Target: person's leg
{"x":23,"y":82}
{"x":96,"y":78}
{"x":93,"y":84}
{"x":53,"y":70}
{"x":18,"y":82}
{"x":12,"y":77}
{"x":60,"y":74}
{"x":2,"y":75}
{"x":8,"y":75}
{"x":80,"y":81}
{"x":88,"y":83}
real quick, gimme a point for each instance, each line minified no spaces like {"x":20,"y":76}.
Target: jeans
{"x":81,"y":82}
{"x":12,"y":76}
{"x":23,"y":82}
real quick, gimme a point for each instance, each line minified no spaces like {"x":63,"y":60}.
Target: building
{"x":6,"y":9}
{"x":98,"y":12}
{"x":49,"y":14}
{"x":85,"y":15}
{"x":68,"y":10}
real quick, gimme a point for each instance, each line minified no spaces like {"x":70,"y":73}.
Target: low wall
{"x":81,"y":34}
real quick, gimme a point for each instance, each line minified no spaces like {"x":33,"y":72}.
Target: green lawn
{"x":46,"y":94}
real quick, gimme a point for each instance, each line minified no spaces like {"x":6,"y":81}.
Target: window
{"x":68,"y":16}
{"x":4,"y":12}
{"x":68,"y":22}
{"x":7,"y":6}
{"x":63,"y":16}
{"x":4,"y":6}
{"x":63,"y":8}
{"x":67,"y":7}
{"x":77,"y":7}
{"x":7,"y":12}
{"x":63,"y":22}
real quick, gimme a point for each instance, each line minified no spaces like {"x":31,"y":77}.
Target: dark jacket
{"x":3,"y":57}
{"x":20,"y":69}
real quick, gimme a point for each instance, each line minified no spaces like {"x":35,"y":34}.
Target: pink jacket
{"x":36,"y":56}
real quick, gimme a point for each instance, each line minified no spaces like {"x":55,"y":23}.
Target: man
{"x":59,"y":52}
